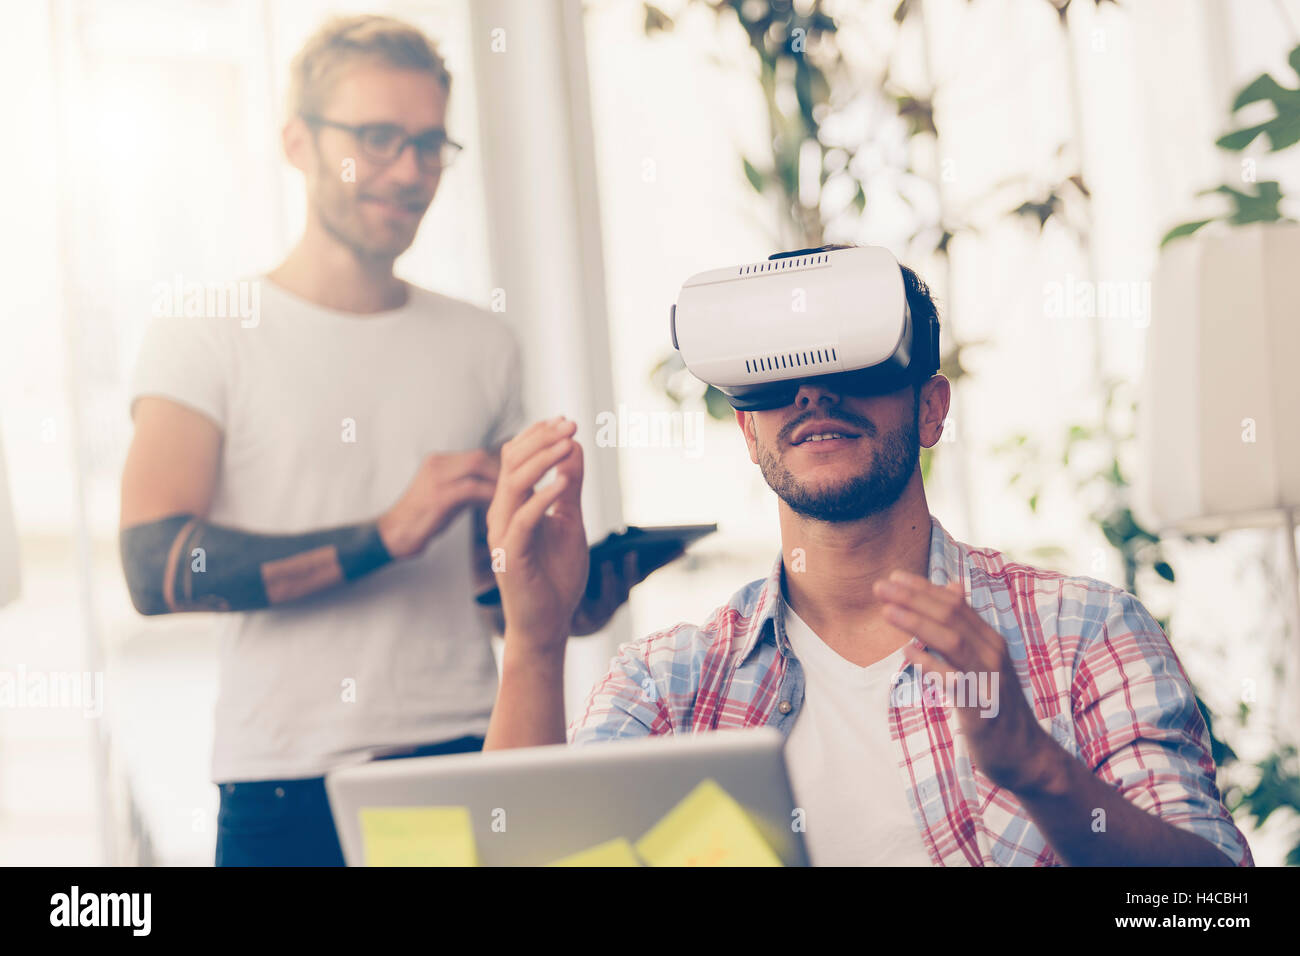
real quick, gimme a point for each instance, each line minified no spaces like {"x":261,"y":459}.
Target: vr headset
{"x":837,"y":317}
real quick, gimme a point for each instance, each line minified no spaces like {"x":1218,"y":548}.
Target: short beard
{"x":864,"y":495}
{"x":339,"y":210}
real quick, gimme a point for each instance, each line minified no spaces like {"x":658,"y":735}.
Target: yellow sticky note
{"x":616,"y":852}
{"x":418,"y":836}
{"x":707,"y":828}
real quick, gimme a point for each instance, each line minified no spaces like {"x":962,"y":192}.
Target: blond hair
{"x":343,"y":41}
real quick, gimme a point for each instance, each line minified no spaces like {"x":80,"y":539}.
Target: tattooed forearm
{"x":182,"y":563}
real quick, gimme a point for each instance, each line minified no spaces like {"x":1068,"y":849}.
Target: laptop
{"x":536,"y":805}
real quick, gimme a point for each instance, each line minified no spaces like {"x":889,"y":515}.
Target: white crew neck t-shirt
{"x":326,"y":416}
{"x":841,"y":761}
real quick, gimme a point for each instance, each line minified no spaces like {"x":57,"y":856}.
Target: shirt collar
{"x":947,"y":558}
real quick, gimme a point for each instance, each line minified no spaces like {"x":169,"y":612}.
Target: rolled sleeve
{"x":626,"y":702}
{"x":1140,"y":729}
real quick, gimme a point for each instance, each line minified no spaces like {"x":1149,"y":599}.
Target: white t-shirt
{"x":326,"y":416}
{"x":843,"y":770}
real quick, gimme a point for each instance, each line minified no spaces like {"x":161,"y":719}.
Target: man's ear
{"x":746,"y":422}
{"x":936,"y":395}
{"x":295,"y":139}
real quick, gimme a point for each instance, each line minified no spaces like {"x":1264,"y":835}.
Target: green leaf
{"x":1282,"y":130}
{"x":1163,"y":569}
{"x":1247,"y":208}
{"x":1278,"y":785}
{"x":803,"y":92}
{"x":1219,"y":750}
{"x":756,"y":179}
{"x":1240,"y":139}
{"x":1186,"y":229}
{"x":787,"y":168}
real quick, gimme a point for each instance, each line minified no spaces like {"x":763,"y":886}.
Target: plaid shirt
{"x":1096,"y":668}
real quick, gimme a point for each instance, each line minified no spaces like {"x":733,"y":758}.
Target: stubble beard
{"x":865,"y":494}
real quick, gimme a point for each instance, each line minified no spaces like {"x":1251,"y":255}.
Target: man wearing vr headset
{"x":942,"y":704}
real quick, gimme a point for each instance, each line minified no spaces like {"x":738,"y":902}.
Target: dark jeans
{"x":288,"y":822}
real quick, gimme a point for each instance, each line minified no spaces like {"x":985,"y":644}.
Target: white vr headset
{"x":837,"y":317}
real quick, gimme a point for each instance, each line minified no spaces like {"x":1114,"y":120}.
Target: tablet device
{"x":654,"y":548}
{"x":534,"y":805}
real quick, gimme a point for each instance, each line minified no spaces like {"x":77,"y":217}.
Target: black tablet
{"x":654,"y":548}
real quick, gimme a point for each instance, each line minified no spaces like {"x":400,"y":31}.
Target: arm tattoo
{"x":182,"y":563}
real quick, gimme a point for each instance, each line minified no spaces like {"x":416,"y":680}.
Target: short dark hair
{"x":920,"y":302}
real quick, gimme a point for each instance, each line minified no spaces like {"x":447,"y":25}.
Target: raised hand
{"x":1006,"y":742}
{"x":537,"y":538}
{"x":443,"y":486}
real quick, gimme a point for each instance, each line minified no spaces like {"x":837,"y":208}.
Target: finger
{"x":571,"y":468}
{"x":515,"y":486}
{"x":527,"y":472}
{"x":928,"y":663}
{"x":476,"y":494}
{"x":917,"y":593}
{"x":939,"y":636}
{"x":523,"y":436}
{"x":470,"y":490}
{"x":976,"y":628}
{"x":947,"y":605}
{"x":525,"y":520}
{"x":536,"y":436}
{"x":477,"y":463}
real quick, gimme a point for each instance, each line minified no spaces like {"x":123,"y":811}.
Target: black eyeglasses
{"x":384,"y":142}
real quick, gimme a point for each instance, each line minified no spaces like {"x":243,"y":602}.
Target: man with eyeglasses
{"x":318,"y":475}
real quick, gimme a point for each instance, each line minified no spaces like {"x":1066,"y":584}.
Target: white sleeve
{"x":186,"y":360}
{"x":510,"y":387}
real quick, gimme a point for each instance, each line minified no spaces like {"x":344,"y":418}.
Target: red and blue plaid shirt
{"x":1096,"y":668}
